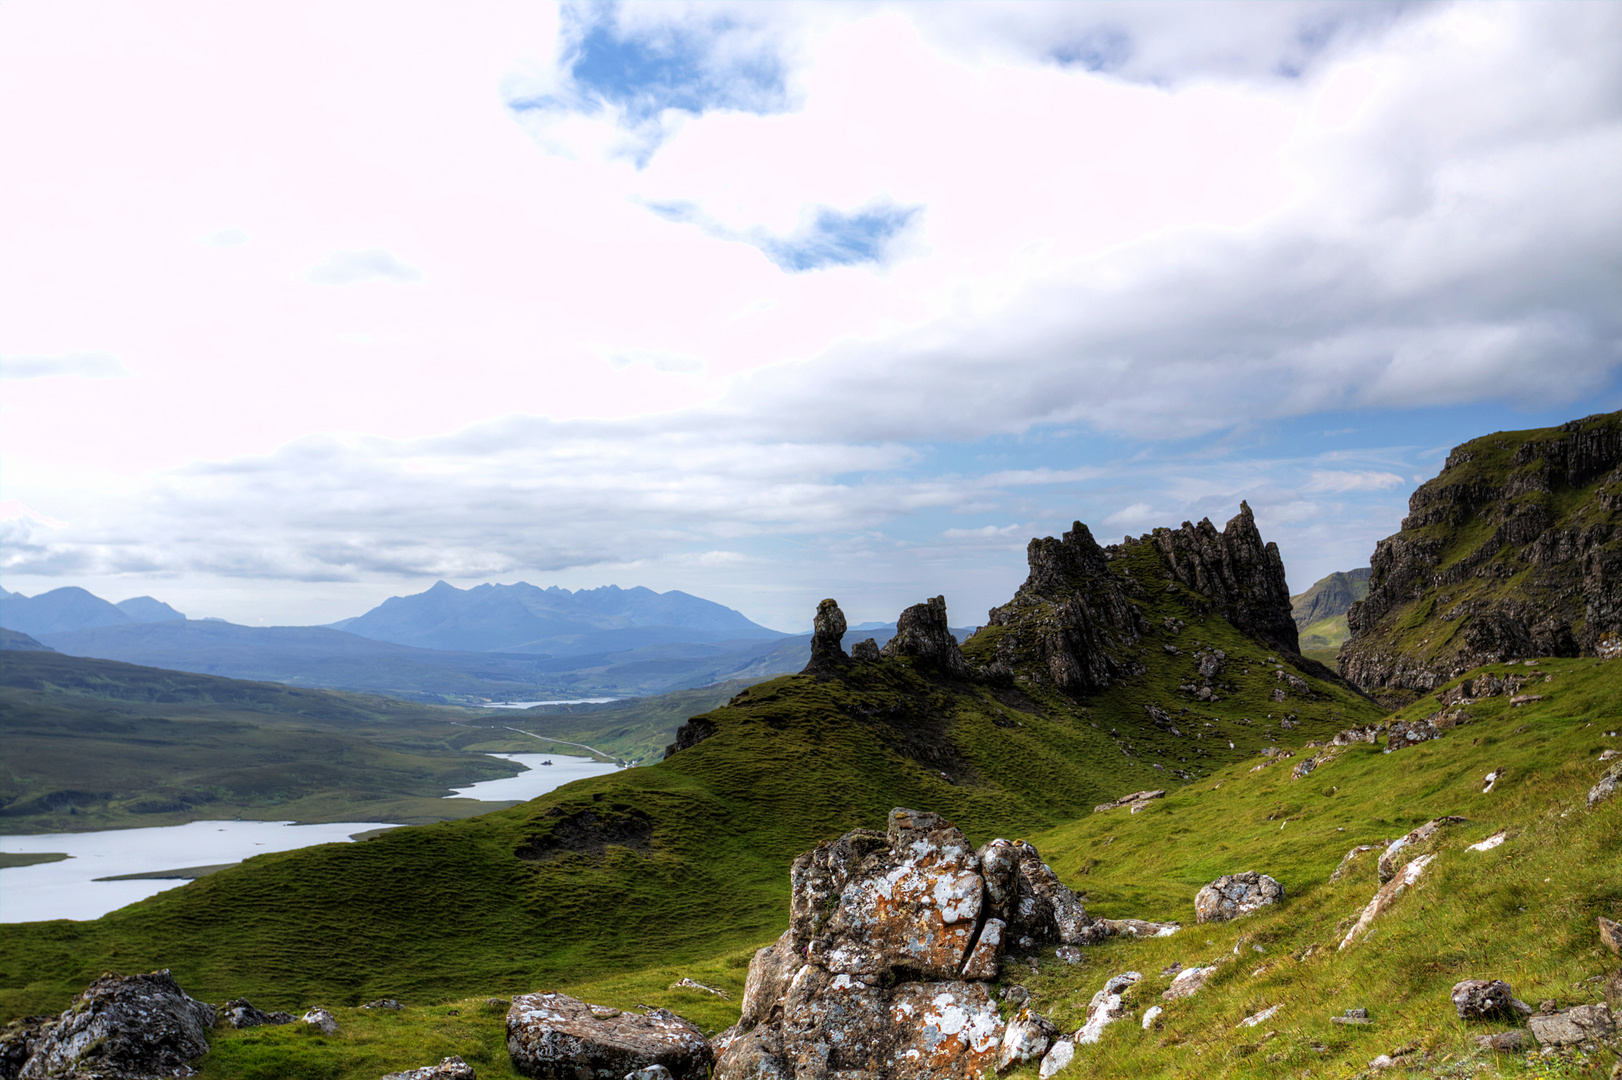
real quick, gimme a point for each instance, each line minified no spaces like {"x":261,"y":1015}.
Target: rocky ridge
{"x":1514,"y":550}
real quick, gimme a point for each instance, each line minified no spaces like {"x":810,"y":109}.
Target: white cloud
{"x":353,"y":267}
{"x":70,"y":365}
{"x":1332,"y":481}
{"x":1136,"y":516}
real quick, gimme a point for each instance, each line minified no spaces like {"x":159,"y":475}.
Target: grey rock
{"x":240,"y":1013}
{"x":1607,"y":786}
{"x":388,"y":1004}
{"x":1234,"y":895}
{"x":1106,"y":1007}
{"x":1351,"y":856}
{"x":19,"y":1041}
{"x":1188,"y":982}
{"x":1383,"y":900}
{"x":1068,"y":953}
{"x":451,"y":1068}
{"x":1422,"y":841}
{"x":124,"y":1026}
{"x":1505,"y":1042}
{"x":865,"y":650}
{"x":652,"y":1072}
{"x":1585,"y":1023}
{"x":1610,"y":933}
{"x":554,"y":1035}
{"x":322,"y":1021}
{"x":1481,"y":999}
{"x":1026,"y":1038}
{"x":1057,"y":1057}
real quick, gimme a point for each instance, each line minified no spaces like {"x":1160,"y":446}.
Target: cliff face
{"x":1329,"y":597}
{"x":1077,"y":619}
{"x":1514,"y":550}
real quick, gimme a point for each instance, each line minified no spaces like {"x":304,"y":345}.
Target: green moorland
{"x":1321,"y":640}
{"x":679,"y":861}
{"x":1524,"y":911}
{"x":97,"y":744}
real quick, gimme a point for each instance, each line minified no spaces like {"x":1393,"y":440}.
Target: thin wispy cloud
{"x":70,"y":365}
{"x":355,"y":267}
{"x":826,"y":237}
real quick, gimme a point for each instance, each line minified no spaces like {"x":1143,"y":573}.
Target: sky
{"x":305,"y":305}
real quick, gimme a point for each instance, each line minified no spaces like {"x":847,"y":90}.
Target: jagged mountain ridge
{"x":1330,"y":596}
{"x":1513,"y":550}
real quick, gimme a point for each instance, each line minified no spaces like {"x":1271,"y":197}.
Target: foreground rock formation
{"x":892,"y":938}
{"x":1514,"y":550}
{"x":554,"y":1035}
{"x":121,"y":1026}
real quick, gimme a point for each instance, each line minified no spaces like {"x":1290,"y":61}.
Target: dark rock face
{"x":827,"y":631}
{"x":124,"y":1026}
{"x":1242,"y":576}
{"x":1071,"y":616}
{"x":240,"y":1013}
{"x":1514,"y":550}
{"x":557,"y":1037}
{"x":922,"y":634}
{"x":19,"y":1041}
{"x":1481,"y":999}
{"x":690,"y":734}
{"x":1330,"y":596}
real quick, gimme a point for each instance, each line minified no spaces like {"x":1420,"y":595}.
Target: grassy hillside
{"x":1524,"y":911}
{"x":1320,"y":613}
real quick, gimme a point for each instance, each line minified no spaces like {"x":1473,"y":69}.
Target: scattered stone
{"x":551,"y":1034}
{"x":1387,"y":896}
{"x":1491,"y":842}
{"x":1105,"y":1008}
{"x":383,"y":1003}
{"x":1351,"y":857}
{"x":1611,"y":934}
{"x":1607,"y":786}
{"x":658,"y":1072}
{"x":1352,"y":1016}
{"x":1150,"y":1015}
{"x":1352,"y":736}
{"x":1068,"y":953}
{"x":1524,"y":699}
{"x":684,"y":983}
{"x":1234,"y":895}
{"x":1058,"y":1057}
{"x":1026,"y":1038}
{"x":1584,"y":1023}
{"x":1421,"y":841}
{"x":451,"y":1068}
{"x":1137,"y":801}
{"x":321,"y":1020}
{"x":498,"y":1002}
{"x":1188,"y":982}
{"x":1492,"y":779}
{"x":1402,"y":734}
{"x":1137,"y":928}
{"x":1479,"y":999}
{"x":1505,"y":1042}
{"x":123,"y":1026}
{"x":239,"y":1013}
{"x":1607,"y":755}
{"x":1259,"y":1018}
{"x":1014,"y":994}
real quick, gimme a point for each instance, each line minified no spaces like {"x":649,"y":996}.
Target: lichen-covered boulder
{"x":322,"y":1020}
{"x":1026,"y":1038}
{"x":915,"y":906}
{"x":556,"y":1036}
{"x":1608,"y":785}
{"x":1233,"y":895}
{"x":1106,"y":1007}
{"x":124,"y":1026}
{"x":19,"y":1040}
{"x":240,"y":1013}
{"x":1025,"y":893}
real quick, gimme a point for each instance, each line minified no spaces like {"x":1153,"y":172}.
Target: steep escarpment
{"x":1514,"y":550}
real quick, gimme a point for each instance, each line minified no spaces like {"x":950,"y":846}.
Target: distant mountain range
{"x":555,"y":622}
{"x":1320,"y":612}
{"x":72,"y":608}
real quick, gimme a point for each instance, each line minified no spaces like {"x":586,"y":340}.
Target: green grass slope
{"x":1524,"y":911}
{"x":672,"y":862}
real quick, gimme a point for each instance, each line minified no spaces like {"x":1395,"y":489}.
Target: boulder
{"x":1505,"y":1042}
{"x":1422,"y":841}
{"x":1481,"y":999}
{"x":240,"y":1013}
{"x":1405,"y":733}
{"x":554,"y":1035}
{"x":1233,"y":895}
{"x":124,"y":1026}
{"x":1026,"y":1038}
{"x":1106,"y":1007}
{"x":322,"y":1021}
{"x":451,"y":1068}
{"x":1058,"y":1056}
{"x":866,"y":649}
{"x":1607,"y":786}
{"x":1585,"y":1023}
{"x":1352,"y":736}
{"x":1150,"y":1015}
{"x":1188,"y":982}
{"x":1025,"y":893}
{"x":1387,"y":896}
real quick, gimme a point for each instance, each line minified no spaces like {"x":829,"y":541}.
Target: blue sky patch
{"x":830,"y":238}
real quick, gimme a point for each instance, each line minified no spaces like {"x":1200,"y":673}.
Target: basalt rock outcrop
{"x":921,"y":633}
{"x":827,"y":633}
{"x":892,"y":938}
{"x":1072,"y":619}
{"x":1514,"y":550}
{"x":1241,"y":576}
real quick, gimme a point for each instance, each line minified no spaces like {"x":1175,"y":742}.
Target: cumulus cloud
{"x":354,"y":267}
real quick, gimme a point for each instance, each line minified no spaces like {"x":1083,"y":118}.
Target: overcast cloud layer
{"x":305,"y":306}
